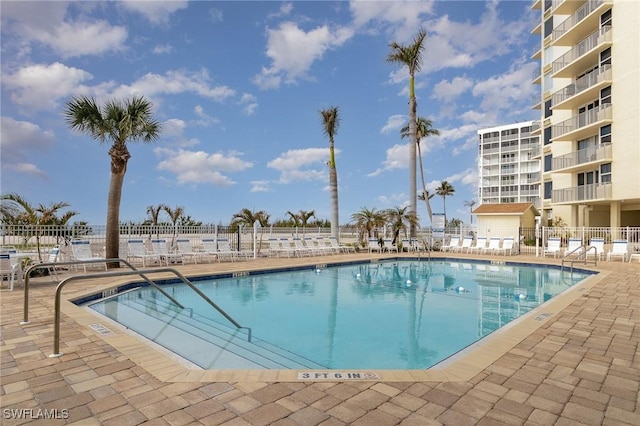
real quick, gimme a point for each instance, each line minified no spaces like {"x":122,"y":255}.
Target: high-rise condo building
{"x":589,"y":103}
{"x":508,"y":164}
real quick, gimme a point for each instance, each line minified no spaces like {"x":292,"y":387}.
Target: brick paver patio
{"x":580,"y":366}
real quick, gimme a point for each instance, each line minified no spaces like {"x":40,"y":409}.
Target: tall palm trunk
{"x":333,"y":186}
{"x":413,"y":191}
{"x":119,"y":157}
{"x":424,"y":186}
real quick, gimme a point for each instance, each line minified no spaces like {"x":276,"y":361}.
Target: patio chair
{"x":481,"y":243}
{"x":225,"y":250}
{"x":300,"y":248}
{"x":507,"y":246}
{"x":185,"y":250}
{"x":619,"y":248}
{"x":373,"y":245}
{"x":453,"y":244}
{"x":466,"y":243}
{"x":209,"y":247}
{"x":161,"y":248}
{"x":54,"y":252}
{"x":387,"y":245}
{"x":553,"y":247}
{"x":138,"y":250}
{"x":324,"y":245}
{"x":598,"y":245}
{"x":340,"y":247}
{"x":574,"y":247}
{"x":494,"y":244}
{"x":285,"y":245}
{"x":10,"y":270}
{"x":81,"y":251}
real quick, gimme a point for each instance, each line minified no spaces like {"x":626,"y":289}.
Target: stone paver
{"x":579,"y":367}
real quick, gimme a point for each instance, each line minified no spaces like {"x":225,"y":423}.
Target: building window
{"x":605,"y":57}
{"x":605,"y":134}
{"x":605,"y":173}
{"x":548,"y":27}
{"x":605,"y":96}
{"x":548,"y":189}
{"x":605,"y":18}
{"x":547,"y":109}
{"x":547,"y":135}
{"x":547,"y":162}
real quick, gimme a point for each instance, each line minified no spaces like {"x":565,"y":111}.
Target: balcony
{"x":565,"y":7}
{"x":583,"y":159}
{"x":536,"y":129}
{"x":580,"y":194}
{"x":583,"y":89}
{"x":536,"y":102}
{"x":537,"y":4}
{"x":536,"y":76}
{"x":583,"y":54}
{"x":583,"y":124}
{"x":577,"y":26}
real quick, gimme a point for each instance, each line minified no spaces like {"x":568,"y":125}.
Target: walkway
{"x":581,"y":365}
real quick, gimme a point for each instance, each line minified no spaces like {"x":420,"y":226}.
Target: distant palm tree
{"x":445,"y":190}
{"x":367,"y":220}
{"x":154,"y":213}
{"x":118,"y":123}
{"x":248,"y":217}
{"x":330,"y":124}
{"x":470,"y":204}
{"x":423,"y":129}
{"x":174,"y":215}
{"x":295,"y":218}
{"x":400,"y":219}
{"x":410,"y":55}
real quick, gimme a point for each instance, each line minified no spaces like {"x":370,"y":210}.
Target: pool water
{"x":386,"y":315}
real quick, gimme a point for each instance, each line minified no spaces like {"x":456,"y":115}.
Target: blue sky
{"x":238,"y":87}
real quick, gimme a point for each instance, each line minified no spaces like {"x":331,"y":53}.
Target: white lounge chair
{"x":300,"y":248}
{"x":209,"y":247}
{"x":452,"y":246}
{"x":325,"y":245}
{"x":466,"y":243}
{"x":574,"y":247}
{"x":225,"y":250}
{"x":161,"y":248}
{"x":138,"y":250}
{"x":81,"y":251}
{"x":553,"y":247}
{"x":186,"y":251}
{"x":619,"y":248}
{"x":387,"y":245}
{"x":494,"y":244}
{"x":481,"y":243}
{"x":373,"y":245}
{"x":12,"y":271}
{"x":507,"y":246}
{"x":340,"y":247}
{"x":598,"y":245}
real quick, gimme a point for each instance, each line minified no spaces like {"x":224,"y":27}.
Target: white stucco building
{"x":589,"y":103}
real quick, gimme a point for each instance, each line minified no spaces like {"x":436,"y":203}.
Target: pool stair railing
{"x":579,"y":254}
{"x":204,"y":341}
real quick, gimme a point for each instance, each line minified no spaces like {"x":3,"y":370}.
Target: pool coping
{"x":169,"y":367}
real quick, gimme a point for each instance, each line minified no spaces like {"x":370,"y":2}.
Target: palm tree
{"x":423,"y":129}
{"x":249,"y":217}
{"x":400,"y":219}
{"x":445,"y":190}
{"x":367,"y":220}
{"x":17,"y":210}
{"x":330,"y":124}
{"x":470,"y":204}
{"x":410,"y":55}
{"x":295,"y":218}
{"x":174,"y":215}
{"x":118,"y":123}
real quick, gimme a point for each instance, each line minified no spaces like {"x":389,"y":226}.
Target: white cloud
{"x":162,"y":49}
{"x":296,"y":164}
{"x":503,"y":92}
{"x":249,"y":102}
{"x":196,"y":167}
{"x":394,"y":123}
{"x":401,"y":17}
{"x":293,"y":51}
{"x":156,"y":12}
{"x":285,"y":10}
{"x":204,"y":119}
{"x":397,"y":158}
{"x":19,"y":140}
{"x":449,"y":90}
{"x":260,"y":186}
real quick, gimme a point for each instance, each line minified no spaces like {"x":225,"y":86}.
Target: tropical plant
{"x":116,"y":122}
{"x":400,"y":219}
{"x":295,"y":218}
{"x":174,"y":214}
{"x":423,"y":129}
{"x":410,"y":55}
{"x":445,"y":190}
{"x":16,"y":210}
{"x":330,"y":124}
{"x":248,"y":217}
{"x":366,"y":220}
{"x":470,"y":204}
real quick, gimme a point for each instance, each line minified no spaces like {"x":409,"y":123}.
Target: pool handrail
{"x":27,"y":272}
{"x":56,"y":330}
{"x":582,"y":252}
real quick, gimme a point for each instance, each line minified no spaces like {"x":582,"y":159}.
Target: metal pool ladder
{"x":141,"y":273}
{"x":581,"y":255}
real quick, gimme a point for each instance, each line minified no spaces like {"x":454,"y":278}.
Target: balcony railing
{"x":596,"y":76}
{"x":587,"y":118}
{"x":584,"y":11}
{"x":583,"y":156}
{"x":592,"y":41}
{"x":595,"y":191}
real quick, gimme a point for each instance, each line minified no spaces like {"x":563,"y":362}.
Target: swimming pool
{"x":403,"y":314}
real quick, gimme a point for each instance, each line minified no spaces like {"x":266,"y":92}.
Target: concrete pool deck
{"x":575,"y":360}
